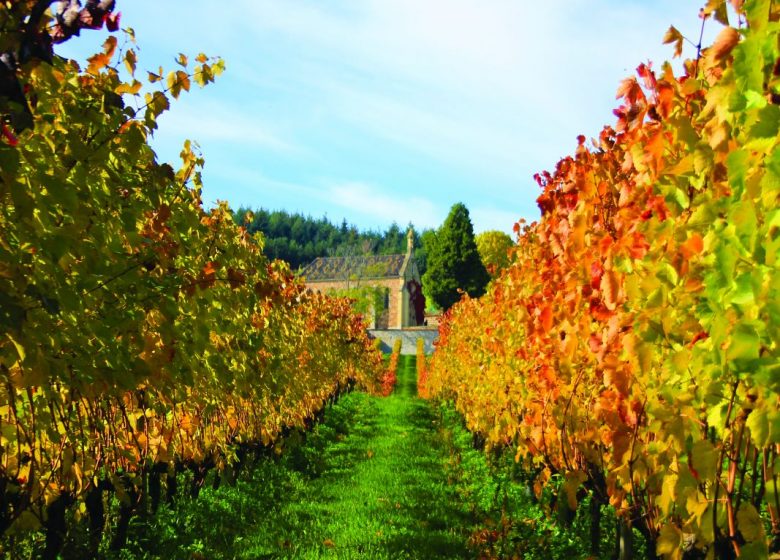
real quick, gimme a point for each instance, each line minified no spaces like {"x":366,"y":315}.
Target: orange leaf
{"x":617,"y":378}
{"x":693,"y":246}
{"x":674,"y":36}
{"x":210,"y":272}
{"x":630,"y":90}
{"x":546,"y":319}
{"x":724,"y":43}
{"x":610,"y":288}
{"x":654,"y":150}
{"x":665,"y":99}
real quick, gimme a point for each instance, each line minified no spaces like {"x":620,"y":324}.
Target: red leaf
{"x":596,"y":271}
{"x":697,"y":337}
{"x":112,"y":21}
{"x":630,"y":90}
{"x":9,"y":136}
{"x":647,"y":75}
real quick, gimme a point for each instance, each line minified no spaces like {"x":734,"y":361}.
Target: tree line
{"x":299,"y":239}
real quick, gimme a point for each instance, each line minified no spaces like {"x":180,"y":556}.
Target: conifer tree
{"x":453,"y":262}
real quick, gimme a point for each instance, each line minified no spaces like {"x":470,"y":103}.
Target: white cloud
{"x":487,"y":218}
{"x":504,"y":87}
{"x":479,"y":94}
{"x":217,"y":122}
{"x":372,"y":201}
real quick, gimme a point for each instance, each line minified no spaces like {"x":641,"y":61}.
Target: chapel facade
{"x":398,"y":277}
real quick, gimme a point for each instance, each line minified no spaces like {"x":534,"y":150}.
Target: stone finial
{"x":410,"y":241}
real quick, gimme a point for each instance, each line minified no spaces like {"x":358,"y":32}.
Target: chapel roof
{"x":355,"y":267}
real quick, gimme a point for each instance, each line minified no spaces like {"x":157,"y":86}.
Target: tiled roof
{"x":343,"y":268}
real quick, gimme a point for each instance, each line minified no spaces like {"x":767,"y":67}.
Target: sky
{"x":382,"y":111}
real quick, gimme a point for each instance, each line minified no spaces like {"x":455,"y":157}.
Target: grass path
{"x":383,"y":491}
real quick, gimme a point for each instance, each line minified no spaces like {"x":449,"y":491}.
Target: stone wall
{"x":408,"y":337}
{"x":394,"y":284}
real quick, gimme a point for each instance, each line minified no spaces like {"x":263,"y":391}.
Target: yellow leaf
{"x":19,"y":348}
{"x":668,"y":493}
{"x":669,"y":541}
{"x":132,"y":89}
{"x":27,"y":521}
{"x":696,"y":505}
{"x":130,"y":61}
{"x":703,"y":458}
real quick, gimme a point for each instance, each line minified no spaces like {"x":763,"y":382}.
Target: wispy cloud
{"x":488,"y":218}
{"x":380,"y":108}
{"x":372,"y":201}
{"x":217,"y":122}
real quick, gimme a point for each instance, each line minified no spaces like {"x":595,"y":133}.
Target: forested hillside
{"x":300,"y":239}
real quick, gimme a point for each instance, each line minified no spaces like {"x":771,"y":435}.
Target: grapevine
{"x":140,"y":334}
{"x":631,"y":347}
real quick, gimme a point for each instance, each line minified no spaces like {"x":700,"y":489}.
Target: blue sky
{"x":393,"y":110}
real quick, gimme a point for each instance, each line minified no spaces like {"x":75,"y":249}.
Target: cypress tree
{"x":453,"y":261}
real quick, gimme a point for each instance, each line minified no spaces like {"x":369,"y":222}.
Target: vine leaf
{"x":724,"y":43}
{"x":673,"y":36}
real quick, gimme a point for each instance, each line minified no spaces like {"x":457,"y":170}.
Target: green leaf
{"x":726,"y":261}
{"x":737,"y":165}
{"x":743,"y":293}
{"x":774,"y":426}
{"x":745,"y":344}
{"x":748,"y":61}
{"x":757,"y":13}
{"x":758,"y":422}
{"x":749,"y":523}
{"x":754,"y":551}
{"x":755,"y":100}
{"x":767,"y":123}
{"x":743,"y":216}
{"x":12,"y":314}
